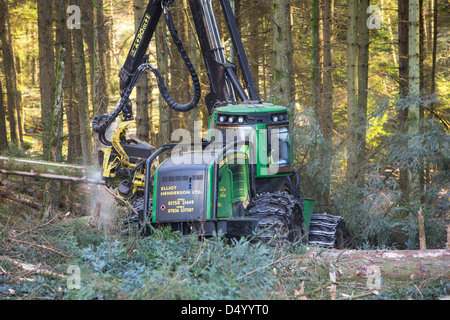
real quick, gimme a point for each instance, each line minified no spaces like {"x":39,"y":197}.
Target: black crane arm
{"x":224,"y":84}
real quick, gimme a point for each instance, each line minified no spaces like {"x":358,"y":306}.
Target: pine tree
{"x":47,"y":76}
{"x":414,"y":94}
{"x":282,"y":54}
{"x":10,"y":76}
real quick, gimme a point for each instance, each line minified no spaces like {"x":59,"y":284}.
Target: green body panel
{"x":308,"y":208}
{"x":250,"y":108}
{"x":209,"y":192}
{"x":225,"y":193}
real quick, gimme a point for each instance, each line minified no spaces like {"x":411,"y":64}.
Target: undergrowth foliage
{"x":168,"y":265}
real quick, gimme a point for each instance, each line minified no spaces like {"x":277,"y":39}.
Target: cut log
{"x":421,"y":223}
{"x":395,"y":265}
{"x":50,"y":170}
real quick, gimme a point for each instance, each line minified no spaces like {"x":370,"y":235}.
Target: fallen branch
{"x":359,"y":296}
{"x":37,"y":227}
{"x":51,"y":176}
{"x":19,"y":199}
{"x":49,"y":170}
{"x":32,"y":268}
{"x":123,"y":200}
{"x":39,"y":246}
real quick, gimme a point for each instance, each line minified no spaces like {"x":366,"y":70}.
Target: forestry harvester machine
{"x":238,"y":179}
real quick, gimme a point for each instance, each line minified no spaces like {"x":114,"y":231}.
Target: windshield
{"x":279,"y":147}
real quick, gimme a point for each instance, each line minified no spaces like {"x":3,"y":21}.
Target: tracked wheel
{"x":327,"y":231}
{"x":280,"y":218}
{"x":131,"y":224}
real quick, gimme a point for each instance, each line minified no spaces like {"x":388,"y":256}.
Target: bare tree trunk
{"x":403,"y":81}
{"x":315,"y":60}
{"x":352,"y":91}
{"x":434,"y":50}
{"x":254,"y":53}
{"x":82,"y":92}
{"x":282,"y":54}
{"x":325,"y":113}
{"x":142,"y":93}
{"x":102,"y":33}
{"x":414,"y":93}
{"x":88,"y":27}
{"x":163,"y":63}
{"x":48,"y":170}
{"x":363,"y":78}
{"x":3,"y":133}
{"x":47,"y":68}
{"x":10,"y":75}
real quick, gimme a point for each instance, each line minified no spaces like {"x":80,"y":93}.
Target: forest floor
{"x":36,"y":255}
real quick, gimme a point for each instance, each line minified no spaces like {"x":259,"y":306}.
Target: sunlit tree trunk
{"x":82,"y":95}
{"x":315,"y":60}
{"x":163,"y":63}
{"x":325,"y":112}
{"x":102,"y":41}
{"x":403,"y":81}
{"x":352,"y":91}
{"x":414,"y":93}
{"x":142,"y":94}
{"x":363,"y":78}
{"x":3,"y":133}
{"x":282,"y":54}
{"x":13,"y":98}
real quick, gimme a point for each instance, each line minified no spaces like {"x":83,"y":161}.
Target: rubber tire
{"x":280,"y":218}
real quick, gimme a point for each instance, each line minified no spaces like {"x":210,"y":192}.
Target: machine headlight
{"x":241,"y":119}
{"x":231,"y":119}
{"x":222,"y":119}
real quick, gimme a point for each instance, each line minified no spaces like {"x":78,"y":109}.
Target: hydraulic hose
{"x":195,"y":80}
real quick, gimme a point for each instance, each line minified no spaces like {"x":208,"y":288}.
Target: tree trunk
{"x":353,"y":117}
{"x":56,"y":137}
{"x":403,"y":13}
{"x":3,"y":133}
{"x":82,"y":93}
{"x":47,"y":69}
{"x":142,"y":92}
{"x":49,"y":170}
{"x":363,"y":76}
{"x":102,"y":33}
{"x":254,"y":53}
{"x":434,"y":51}
{"x":52,"y":188}
{"x":414,"y":94}
{"x":88,"y":27}
{"x":282,"y":54}
{"x":315,"y":83}
{"x":73,"y":144}
{"x":325,"y":111}
{"x":10,"y":75}
{"x":163,"y":63}
{"x":393,"y":265}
